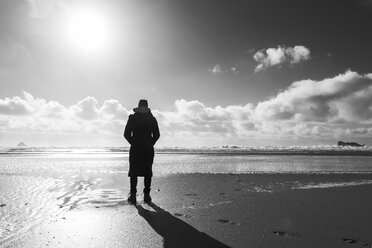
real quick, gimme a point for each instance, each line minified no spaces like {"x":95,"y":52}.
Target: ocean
{"x":113,"y":160}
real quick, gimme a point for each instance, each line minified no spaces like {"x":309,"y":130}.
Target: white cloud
{"x":280,"y":55}
{"x":86,"y":109}
{"x":15,"y":106}
{"x":216,"y":69}
{"x":113,"y":109}
{"x":195,"y":117}
{"x":346,"y":97}
{"x":297,"y":54}
{"x":30,"y":114}
{"x":330,"y":109}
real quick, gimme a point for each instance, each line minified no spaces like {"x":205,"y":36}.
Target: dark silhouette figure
{"x":175,"y":232}
{"x":141,"y":132}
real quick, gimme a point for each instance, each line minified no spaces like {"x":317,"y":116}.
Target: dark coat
{"x":141,"y":132}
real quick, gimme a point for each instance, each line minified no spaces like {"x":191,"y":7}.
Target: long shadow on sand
{"x":175,"y":232}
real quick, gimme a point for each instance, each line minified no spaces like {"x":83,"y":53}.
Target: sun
{"x":87,"y":30}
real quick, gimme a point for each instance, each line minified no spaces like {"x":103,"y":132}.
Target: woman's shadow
{"x":175,"y":232}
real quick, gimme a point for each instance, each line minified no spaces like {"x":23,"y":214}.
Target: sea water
{"x":50,"y":161}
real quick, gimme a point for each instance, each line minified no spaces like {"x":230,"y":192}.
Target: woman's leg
{"x":147,"y":185}
{"x":146,"y":190}
{"x":133,"y":184}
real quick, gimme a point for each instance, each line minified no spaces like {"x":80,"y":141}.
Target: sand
{"x":220,"y":210}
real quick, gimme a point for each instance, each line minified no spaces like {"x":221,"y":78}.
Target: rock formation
{"x":341,"y":143}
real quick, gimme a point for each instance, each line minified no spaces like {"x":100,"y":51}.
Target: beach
{"x":249,"y":122}
{"x":216,"y":210}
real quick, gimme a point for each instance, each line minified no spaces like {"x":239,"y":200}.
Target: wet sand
{"x":217,"y":210}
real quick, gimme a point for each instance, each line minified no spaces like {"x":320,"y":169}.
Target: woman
{"x":141,"y":132}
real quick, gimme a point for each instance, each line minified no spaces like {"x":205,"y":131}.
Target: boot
{"x":132,"y":199}
{"x":147,"y":198}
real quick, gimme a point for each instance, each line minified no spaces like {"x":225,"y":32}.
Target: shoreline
{"x":325,"y":150}
{"x":237,"y":210}
{"x":342,"y":153}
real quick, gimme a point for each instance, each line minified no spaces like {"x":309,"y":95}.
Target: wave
{"x":223,"y":150}
{"x":332,"y":184}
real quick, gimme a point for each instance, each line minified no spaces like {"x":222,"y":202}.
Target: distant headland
{"x":342,"y":143}
{"x":21,"y":144}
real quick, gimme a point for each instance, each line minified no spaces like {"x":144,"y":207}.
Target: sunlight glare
{"x":87,"y":30}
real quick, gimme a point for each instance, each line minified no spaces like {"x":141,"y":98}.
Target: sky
{"x":221,"y":72}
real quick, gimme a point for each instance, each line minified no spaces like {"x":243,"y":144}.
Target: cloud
{"x":15,"y":106}
{"x":36,"y":115}
{"x":280,"y":55}
{"x":195,"y":117}
{"x":113,"y":109}
{"x":86,"y":109}
{"x":217,"y":69}
{"x":343,"y":98}
{"x":334,"y":108}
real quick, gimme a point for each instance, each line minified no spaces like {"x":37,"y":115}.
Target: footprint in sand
{"x":225,"y":221}
{"x":353,"y":241}
{"x":191,"y":194}
{"x":179,"y":215}
{"x":285,"y":234}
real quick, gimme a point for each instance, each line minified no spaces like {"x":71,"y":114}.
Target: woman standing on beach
{"x":141,"y":132}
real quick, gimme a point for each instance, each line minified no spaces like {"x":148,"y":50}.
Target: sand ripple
{"x":29,"y":200}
